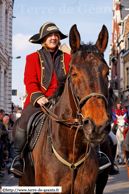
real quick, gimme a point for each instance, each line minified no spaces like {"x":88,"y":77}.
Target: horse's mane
{"x":60,"y":89}
{"x":90,"y":48}
{"x":85,"y":49}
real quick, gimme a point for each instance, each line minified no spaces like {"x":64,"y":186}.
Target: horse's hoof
{"x":128,"y":162}
{"x":124,"y":160}
{"x":120,"y":161}
{"x":113,"y":170}
{"x":118,"y":158}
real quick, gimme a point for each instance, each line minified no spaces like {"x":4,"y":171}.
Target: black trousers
{"x":28,"y":111}
{"x":1,"y":153}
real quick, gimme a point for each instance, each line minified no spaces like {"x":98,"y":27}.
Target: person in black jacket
{"x":2,"y":114}
{"x":4,"y":132}
{"x":4,"y":138}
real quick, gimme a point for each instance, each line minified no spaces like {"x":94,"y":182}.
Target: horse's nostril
{"x":89,"y":125}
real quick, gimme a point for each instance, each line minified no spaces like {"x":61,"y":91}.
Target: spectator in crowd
{"x":115,"y":77}
{"x":2,"y":113}
{"x":4,"y":134}
{"x":1,"y":154}
{"x":10,"y":141}
{"x":11,"y":120}
{"x":13,"y":106}
{"x":6,"y":121}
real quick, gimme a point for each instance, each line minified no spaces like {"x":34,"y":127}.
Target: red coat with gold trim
{"x":118,"y":112}
{"x":34,"y":76}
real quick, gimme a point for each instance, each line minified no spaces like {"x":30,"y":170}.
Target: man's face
{"x":12,"y":116}
{"x":6,"y":120}
{"x":2,"y":116}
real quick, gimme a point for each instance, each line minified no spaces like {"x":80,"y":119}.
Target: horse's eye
{"x":74,"y":75}
{"x":107,"y":74}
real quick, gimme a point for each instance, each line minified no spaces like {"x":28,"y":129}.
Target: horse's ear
{"x":74,"y":39}
{"x":102,"y":41}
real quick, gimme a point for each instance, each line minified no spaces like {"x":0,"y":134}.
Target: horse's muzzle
{"x":90,"y":127}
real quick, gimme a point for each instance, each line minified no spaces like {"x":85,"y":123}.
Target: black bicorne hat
{"x":46,"y":29}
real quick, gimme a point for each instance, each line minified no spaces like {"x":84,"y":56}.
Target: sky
{"x":29,"y":16}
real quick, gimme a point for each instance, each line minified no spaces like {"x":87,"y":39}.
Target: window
{"x":115,"y":36}
{"x":0,"y":86}
{"x":127,"y":71}
{"x":5,"y":89}
{"x":6,"y":29}
{"x":127,"y":41}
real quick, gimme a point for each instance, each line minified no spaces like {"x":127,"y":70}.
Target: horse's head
{"x":121,"y":122}
{"x":121,"y":127}
{"x":88,"y":75}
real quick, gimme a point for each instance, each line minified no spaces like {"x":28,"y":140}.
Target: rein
{"x":69,"y":123}
{"x":70,"y":165}
{"x":73,"y":166}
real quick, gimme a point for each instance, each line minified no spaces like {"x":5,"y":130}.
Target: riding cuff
{"x":35,"y":96}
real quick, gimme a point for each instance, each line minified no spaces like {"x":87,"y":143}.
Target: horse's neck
{"x":65,"y":107}
{"x":63,"y":136}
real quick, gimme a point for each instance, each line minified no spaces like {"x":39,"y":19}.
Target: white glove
{"x":42,"y":100}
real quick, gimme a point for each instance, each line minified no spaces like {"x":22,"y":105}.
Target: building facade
{"x":6,"y":9}
{"x":119,"y":50}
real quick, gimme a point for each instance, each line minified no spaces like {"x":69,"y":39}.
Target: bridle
{"x":79,"y":103}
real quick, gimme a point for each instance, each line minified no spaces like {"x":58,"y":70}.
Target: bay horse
{"x":82,"y":123}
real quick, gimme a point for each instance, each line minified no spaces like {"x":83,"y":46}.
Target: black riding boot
{"x":17,"y":167}
{"x":127,"y":157}
{"x":101,"y":159}
{"x":114,"y":168}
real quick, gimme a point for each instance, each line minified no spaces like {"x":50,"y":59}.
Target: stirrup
{"x":106,"y":165}
{"x":15,"y":171}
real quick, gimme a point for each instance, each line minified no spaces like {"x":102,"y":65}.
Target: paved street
{"x":118,"y":184}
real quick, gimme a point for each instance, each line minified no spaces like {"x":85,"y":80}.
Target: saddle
{"x":32,"y":131}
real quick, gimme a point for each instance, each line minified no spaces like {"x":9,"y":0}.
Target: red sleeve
{"x":31,"y":78}
{"x":114,"y":116}
{"x":67,"y":60}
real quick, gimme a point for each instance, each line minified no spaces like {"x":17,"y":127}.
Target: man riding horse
{"x":117,"y":112}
